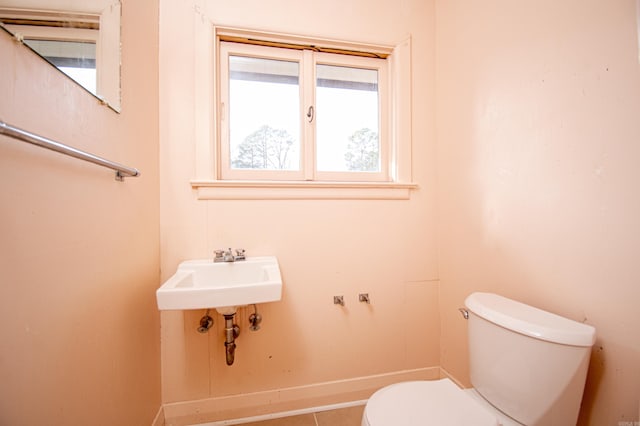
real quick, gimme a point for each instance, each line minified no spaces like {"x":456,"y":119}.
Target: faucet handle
{"x":219,"y":255}
{"x":240,"y":254}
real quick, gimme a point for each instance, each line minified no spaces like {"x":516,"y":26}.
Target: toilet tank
{"x":528,"y":363}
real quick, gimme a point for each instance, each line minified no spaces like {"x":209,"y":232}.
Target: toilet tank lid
{"x":530,"y":321}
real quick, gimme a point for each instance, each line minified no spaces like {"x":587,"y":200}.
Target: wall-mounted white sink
{"x":203,"y":284}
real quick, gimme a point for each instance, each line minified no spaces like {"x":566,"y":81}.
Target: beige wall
{"x":79,"y":252}
{"x":538,"y":130}
{"x":325,"y":248}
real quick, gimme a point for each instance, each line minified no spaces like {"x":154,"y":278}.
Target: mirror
{"x":81,"y":38}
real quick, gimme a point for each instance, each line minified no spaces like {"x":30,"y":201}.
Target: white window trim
{"x":209,"y":186}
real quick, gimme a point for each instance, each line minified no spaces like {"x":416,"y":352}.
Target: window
{"x":294,"y":117}
{"x":302,"y":115}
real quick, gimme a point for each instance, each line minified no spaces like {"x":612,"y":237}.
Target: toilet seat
{"x":423,"y":403}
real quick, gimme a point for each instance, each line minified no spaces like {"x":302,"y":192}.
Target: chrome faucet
{"x":227,"y":255}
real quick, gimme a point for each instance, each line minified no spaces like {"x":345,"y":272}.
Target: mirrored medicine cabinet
{"x":81,"y":38}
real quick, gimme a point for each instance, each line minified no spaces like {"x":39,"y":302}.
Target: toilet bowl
{"x":527,"y":367}
{"x":423,"y":403}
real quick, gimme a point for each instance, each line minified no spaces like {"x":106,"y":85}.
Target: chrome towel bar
{"x":23,"y":135}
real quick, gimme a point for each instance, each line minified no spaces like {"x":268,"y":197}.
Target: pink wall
{"x":325,"y":247}
{"x":538,"y":131}
{"x":80,"y":252}
{"x":536,"y":114}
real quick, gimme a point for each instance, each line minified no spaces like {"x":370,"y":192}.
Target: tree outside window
{"x":266,"y":148}
{"x":363,"y":154}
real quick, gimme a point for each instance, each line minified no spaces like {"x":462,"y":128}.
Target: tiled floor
{"x":351,"y":416}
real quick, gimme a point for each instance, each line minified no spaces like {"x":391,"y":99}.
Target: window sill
{"x":290,"y":190}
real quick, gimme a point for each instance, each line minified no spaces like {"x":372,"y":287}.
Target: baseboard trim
{"x":286,"y":400}
{"x":283,"y":414}
{"x":159,"y":419}
{"x":444,"y":374}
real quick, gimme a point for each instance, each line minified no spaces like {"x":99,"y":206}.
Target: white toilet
{"x":528,"y":367}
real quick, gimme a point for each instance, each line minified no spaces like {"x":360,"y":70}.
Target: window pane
{"x":347,"y":119}
{"x":74,"y":58}
{"x":264,"y":114}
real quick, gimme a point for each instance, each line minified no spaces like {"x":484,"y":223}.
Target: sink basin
{"x":203,"y":284}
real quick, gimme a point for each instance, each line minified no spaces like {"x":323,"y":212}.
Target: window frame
{"x":206,"y":180}
{"x":307,"y":60}
{"x":384,"y":138}
{"x":226,"y":171}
